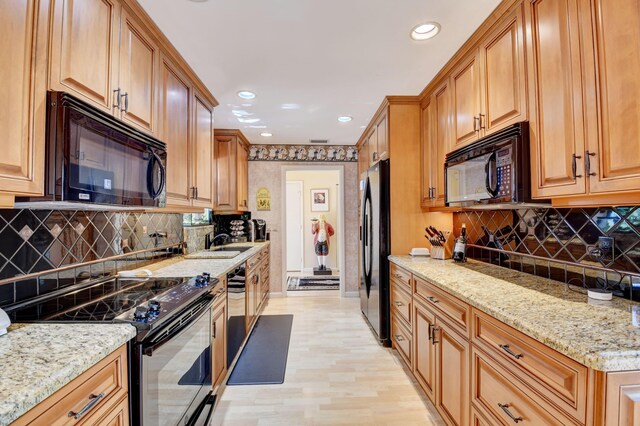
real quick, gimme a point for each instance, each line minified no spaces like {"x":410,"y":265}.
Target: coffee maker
{"x":258,"y":229}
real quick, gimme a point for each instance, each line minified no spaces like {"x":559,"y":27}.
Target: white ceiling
{"x":310,"y":61}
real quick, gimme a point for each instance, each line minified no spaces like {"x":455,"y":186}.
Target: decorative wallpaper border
{"x":325,"y":153}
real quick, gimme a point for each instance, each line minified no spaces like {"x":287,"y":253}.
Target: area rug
{"x":328,"y":282}
{"x":263,"y":360}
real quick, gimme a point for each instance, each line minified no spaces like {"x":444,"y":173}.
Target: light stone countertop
{"x":199,"y":262}
{"x":598,"y":334}
{"x":36,"y":360}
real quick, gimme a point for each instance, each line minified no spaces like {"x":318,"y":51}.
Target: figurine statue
{"x":321,"y":231}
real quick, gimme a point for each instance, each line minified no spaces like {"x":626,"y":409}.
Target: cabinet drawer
{"x":401,"y":302}
{"x":119,"y":415}
{"x":400,"y":276}
{"x":561,"y":380}
{"x":500,"y":396}
{"x":458,"y":312}
{"x":253,"y":262}
{"x":401,"y":338}
{"x":94,"y":391}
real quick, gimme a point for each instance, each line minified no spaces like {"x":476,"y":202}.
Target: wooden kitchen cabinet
{"x":424,"y":350}
{"x":555,"y":81}
{"x":465,"y":90}
{"x":219,"y":341}
{"x":435,"y":144}
{"x":375,"y":146}
{"x":232,"y":166}
{"x":203,"y":156}
{"x":452,"y":373}
{"x":175,"y":115}
{"x":23,"y":62}
{"x":138,"y":81}
{"x":84,"y":46}
{"x":613,"y":94}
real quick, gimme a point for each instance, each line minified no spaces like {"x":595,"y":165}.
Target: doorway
{"x":294,"y":214}
{"x":312,"y":193}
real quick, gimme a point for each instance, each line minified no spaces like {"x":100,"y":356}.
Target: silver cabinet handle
{"x":430,"y":328}
{"x":399,"y":304}
{"x":399,"y":338}
{"x":434,"y":330}
{"x":505,"y":408}
{"x":397,"y":275}
{"x":116,"y":103}
{"x":510,"y":352}
{"x":433,"y":299}
{"x":480,"y":117}
{"x":93,"y":400}
{"x":126,"y":102}
{"x":476,"y":120}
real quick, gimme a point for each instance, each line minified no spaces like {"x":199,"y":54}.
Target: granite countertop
{"x":36,"y":360}
{"x":199,"y":262}
{"x":599,"y":334}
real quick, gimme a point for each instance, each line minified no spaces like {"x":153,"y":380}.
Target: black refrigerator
{"x":375,"y":248}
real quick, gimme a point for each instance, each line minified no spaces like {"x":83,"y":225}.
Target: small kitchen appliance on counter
{"x":259,"y":230}
{"x":5,"y":322}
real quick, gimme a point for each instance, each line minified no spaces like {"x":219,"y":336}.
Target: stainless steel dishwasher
{"x":236,"y":311}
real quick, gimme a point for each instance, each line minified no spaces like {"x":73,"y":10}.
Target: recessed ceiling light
{"x":266,"y":134}
{"x":345,"y":118}
{"x":245,"y":94}
{"x":425,"y":31}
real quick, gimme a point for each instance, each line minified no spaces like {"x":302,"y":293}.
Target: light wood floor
{"x":337,"y":374}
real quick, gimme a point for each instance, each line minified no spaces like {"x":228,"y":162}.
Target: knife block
{"x":445,"y":251}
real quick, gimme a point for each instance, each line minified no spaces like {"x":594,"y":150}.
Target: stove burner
{"x":109,"y":308}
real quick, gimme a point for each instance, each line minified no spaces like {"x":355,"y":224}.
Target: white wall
{"x":318,"y":179}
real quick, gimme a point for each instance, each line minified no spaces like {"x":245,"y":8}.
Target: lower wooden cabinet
{"x":424,"y":350}
{"x":452,"y":373}
{"x":99,"y":396}
{"x":401,"y":338}
{"x":219,"y":342}
{"x":257,"y":285}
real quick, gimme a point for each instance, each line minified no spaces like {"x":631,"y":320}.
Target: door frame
{"x":340,"y":228}
{"x":302,"y":248}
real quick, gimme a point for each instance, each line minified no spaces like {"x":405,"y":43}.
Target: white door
{"x":295,"y":253}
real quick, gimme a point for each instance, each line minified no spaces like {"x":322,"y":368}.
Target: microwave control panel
{"x":504,"y":166}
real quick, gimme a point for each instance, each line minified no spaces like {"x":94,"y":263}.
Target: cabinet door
{"x":503,"y":85}
{"x":556,"y":112}
{"x":363,"y":156}
{"x":424,"y":352}
{"x":84,"y":46}
{"x":242,"y":167}
{"x":427,"y":141}
{"x":442,"y":145}
{"x":452,"y":374}
{"x":465,"y":86}
{"x":225,"y":182}
{"x":615,"y":165}
{"x":139,"y":62}
{"x":22,"y":112}
{"x":204,"y":158}
{"x":253,"y":280}
{"x":219,"y":343}
{"x":382,"y":139}
{"x":175,"y":113}
{"x":372,"y":142}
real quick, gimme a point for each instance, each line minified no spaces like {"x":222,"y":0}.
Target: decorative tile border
{"x":315,"y":153}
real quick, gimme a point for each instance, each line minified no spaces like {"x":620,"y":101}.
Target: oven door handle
{"x":200,"y":309}
{"x":491,"y":175}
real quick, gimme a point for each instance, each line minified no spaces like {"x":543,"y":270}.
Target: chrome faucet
{"x":209,"y":242}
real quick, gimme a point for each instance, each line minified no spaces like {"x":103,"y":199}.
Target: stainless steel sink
{"x":240,"y":249}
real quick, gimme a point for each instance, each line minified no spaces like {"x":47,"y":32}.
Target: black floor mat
{"x":263,"y":360}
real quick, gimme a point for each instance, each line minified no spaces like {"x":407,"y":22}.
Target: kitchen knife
{"x":428,"y":231}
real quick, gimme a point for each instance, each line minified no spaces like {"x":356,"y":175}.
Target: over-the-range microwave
{"x":493,"y":172}
{"x":93,"y":160}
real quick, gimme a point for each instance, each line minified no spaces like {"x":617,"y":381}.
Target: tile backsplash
{"x":34,"y":241}
{"x":565,"y":235}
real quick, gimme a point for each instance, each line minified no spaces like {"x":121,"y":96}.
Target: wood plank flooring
{"x":337,"y":374}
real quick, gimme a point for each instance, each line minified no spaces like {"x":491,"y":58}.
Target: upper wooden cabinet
{"x":232,"y":171}
{"x":436,"y":143}
{"x":555,"y":82}
{"x":613,"y":96}
{"x":488,"y":85}
{"x":376,"y":141}
{"x":138,"y":82}
{"x":23,"y":45}
{"x":204,"y":157}
{"x":84,"y":50}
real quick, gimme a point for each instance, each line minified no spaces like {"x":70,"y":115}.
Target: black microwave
{"x":94,"y":159}
{"x":492,"y":171}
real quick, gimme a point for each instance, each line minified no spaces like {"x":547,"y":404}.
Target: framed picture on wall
{"x":319,"y":200}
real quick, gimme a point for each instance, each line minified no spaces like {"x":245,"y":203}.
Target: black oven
{"x":93,"y":158}
{"x":171,"y":370}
